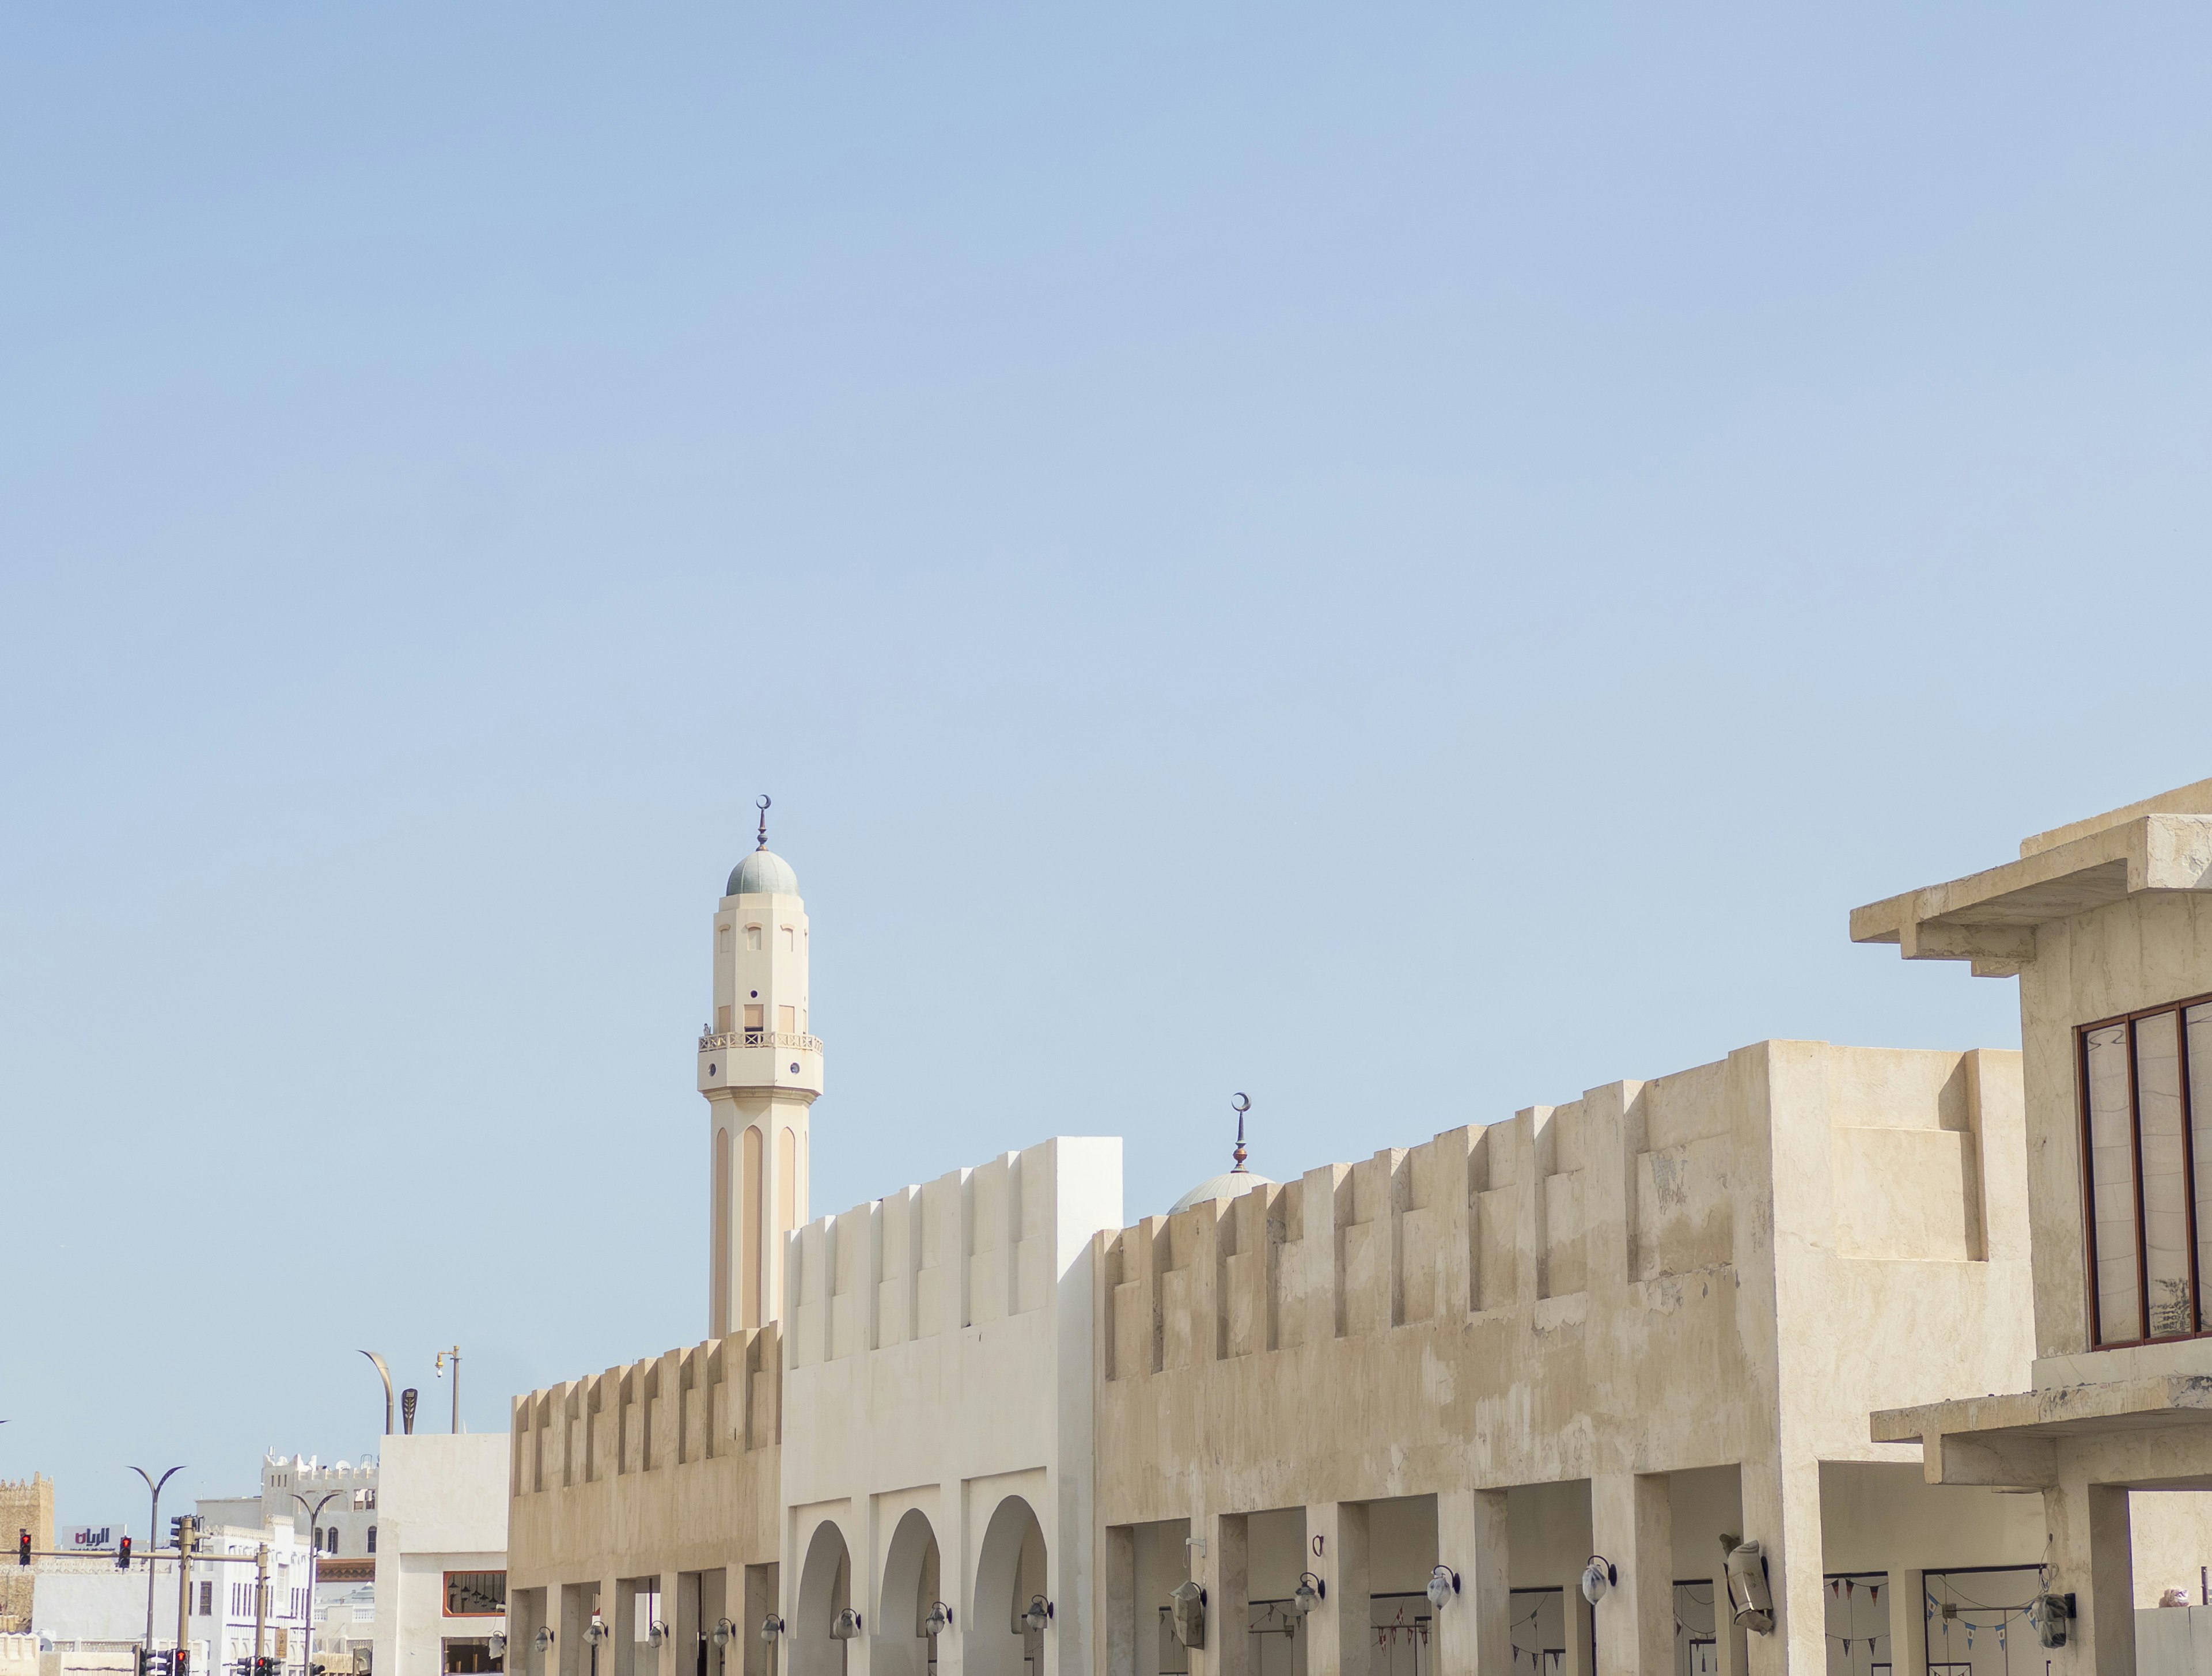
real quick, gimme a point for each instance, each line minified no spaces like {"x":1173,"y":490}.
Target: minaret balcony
{"x":760,"y":1059}
{"x":795,"y":1039}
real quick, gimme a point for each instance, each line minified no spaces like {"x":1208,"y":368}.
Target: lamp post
{"x":315,"y":1565}
{"x":455,"y":1356}
{"x":385,"y":1374}
{"x":153,"y":1535}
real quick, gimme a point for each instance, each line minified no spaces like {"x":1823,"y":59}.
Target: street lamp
{"x":314,"y":1566}
{"x":594,"y":1633}
{"x":452,"y":1356}
{"x":153,"y":1535}
{"x":721,"y":1636}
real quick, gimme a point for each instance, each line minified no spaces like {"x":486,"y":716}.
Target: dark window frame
{"x":2179,"y":1010}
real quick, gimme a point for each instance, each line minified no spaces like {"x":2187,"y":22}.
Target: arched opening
{"x":904,"y":1645}
{"x":825,"y":1588}
{"x":1010,"y":1571}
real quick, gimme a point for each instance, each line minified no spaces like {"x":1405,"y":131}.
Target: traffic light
{"x":123,"y":1555}
{"x":22,"y":1548}
{"x":180,"y":1527}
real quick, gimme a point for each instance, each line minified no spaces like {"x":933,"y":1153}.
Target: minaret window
{"x":752,"y":937}
{"x":754,"y":1022}
{"x":786,"y":1019}
{"x":721,"y":1020}
{"x":790,"y":939}
{"x":723,"y":939}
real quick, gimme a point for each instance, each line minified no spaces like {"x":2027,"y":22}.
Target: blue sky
{"x":1410,"y":561}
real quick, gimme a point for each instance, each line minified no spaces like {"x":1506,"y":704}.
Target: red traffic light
{"x":22,"y":1548}
{"x":123,"y":1555}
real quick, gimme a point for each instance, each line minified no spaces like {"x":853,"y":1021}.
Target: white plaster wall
{"x":940,"y":1359}
{"x":442,"y":1506}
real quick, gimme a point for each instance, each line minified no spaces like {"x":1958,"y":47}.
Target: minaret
{"x":760,"y":1070}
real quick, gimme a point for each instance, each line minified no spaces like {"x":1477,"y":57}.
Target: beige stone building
{"x":1408,"y":1413}
{"x":2108,"y":925}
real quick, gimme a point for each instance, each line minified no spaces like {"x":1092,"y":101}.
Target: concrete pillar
{"x":1338,"y":1629}
{"x":751,"y":1593}
{"x":1226,"y":1572}
{"x":679,"y":1611}
{"x":572,"y":1657}
{"x":619,"y":1653}
{"x":2108,"y":1621}
{"x":1631,"y":1525}
{"x":1782,"y":1512}
{"x":1475,"y":1632}
{"x":1117,"y":1628}
{"x":1908,"y":1620}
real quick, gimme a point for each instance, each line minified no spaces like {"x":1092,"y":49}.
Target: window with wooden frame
{"x":475,"y":1593}
{"x":2146,"y":1084}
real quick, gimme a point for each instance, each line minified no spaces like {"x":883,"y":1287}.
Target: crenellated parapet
{"x":719,"y":1398}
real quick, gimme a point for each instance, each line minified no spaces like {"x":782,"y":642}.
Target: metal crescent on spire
{"x":761,"y":803}
{"x":1240,"y":1105}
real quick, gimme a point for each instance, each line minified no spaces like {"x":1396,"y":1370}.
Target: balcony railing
{"x":805,"y":1044}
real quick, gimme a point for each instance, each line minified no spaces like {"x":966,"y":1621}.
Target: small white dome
{"x":1227,"y":1185}
{"x":762,"y":873}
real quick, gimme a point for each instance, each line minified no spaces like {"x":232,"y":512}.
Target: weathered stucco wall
{"x":666,"y":1466}
{"x":1726,"y":1268}
{"x":2140,"y":952}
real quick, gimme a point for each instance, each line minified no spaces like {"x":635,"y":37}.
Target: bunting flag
{"x":1873,"y":1591}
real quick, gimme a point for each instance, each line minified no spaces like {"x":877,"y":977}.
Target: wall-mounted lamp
{"x":771,"y":1627}
{"x":656,"y":1634}
{"x":1600,"y":1575}
{"x":846,"y":1625}
{"x":1039,"y":1614}
{"x":1187,"y":1602}
{"x":721,"y":1633}
{"x":1443,"y":1584}
{"x":1310,"y":1592}
{"x":544,"y":1638}
{"x":596,"y":1631}
{"x":1751,"y":1603}
{"x":498,"y":1645}
{"x":939,"y":1619}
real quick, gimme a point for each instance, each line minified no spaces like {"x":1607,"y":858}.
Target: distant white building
{"x":333,"y":1507}
{"x":223,"y":1603}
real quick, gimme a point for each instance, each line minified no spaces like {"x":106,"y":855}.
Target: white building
{"x":333,"y":1506}
{"x":228,"y":1597}
{"x":441,"y":1555}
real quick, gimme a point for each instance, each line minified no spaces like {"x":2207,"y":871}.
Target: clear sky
{"x":1410,"y":561}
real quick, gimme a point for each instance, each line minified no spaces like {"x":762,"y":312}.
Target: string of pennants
{"x":1848,"y":1589}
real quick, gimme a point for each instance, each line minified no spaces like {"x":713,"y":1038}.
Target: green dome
{"x":762,"y":873}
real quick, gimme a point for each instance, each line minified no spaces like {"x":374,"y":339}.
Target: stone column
{"x":679,"y":1654}
{"x":1117,"y":1629}
{"x":1631,"y":1525}
{"x":1474,"y":1632}
{"x":2107,"y":1626}
{"x":619,"y":1654}
{"x":571,"y":1654}
{"x":749,"y":1592}
{"x":1226,"y":1572}
{"x":1782,"y":1512}
{"x":1908,"y":1619}
{"x":1337,"y":1627}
